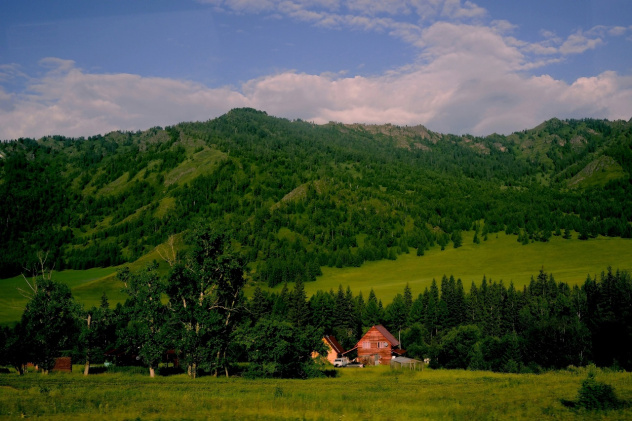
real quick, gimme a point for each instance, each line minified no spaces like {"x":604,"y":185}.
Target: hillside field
{"x":500,"y":257}
{"x":372,"y":393}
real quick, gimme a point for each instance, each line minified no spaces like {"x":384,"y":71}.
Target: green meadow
{"x":501,"y":257}
{"x":372,"y":393}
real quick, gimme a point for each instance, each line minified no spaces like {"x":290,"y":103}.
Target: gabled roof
{"x":387,"y":335}
{"x":333,"y":343}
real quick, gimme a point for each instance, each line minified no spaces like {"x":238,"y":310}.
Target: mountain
{"x":296,"y":196}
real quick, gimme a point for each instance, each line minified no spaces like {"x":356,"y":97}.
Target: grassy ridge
{"x":500,"y":257}
{"x":367,"y":394}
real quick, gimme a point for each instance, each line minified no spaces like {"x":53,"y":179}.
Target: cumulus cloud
{"x":471,"y":80}
{"x":69,"y":101}
{"x":468,"y":77}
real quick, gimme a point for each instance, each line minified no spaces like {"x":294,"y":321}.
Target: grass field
{"x":500,"y":257}
{"x":372,"y":393}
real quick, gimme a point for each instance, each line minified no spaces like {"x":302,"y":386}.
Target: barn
{"x":378,"y":346}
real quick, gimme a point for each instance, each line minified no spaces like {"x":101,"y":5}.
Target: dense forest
{"x":208,"y":323}
{"x":298,"y":196}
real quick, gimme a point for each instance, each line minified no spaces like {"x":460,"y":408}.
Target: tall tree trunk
{"x":86,"y":368}
{"x":225,"y":365}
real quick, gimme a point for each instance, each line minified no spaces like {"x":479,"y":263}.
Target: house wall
{"x":331,"y":354}
{"x":374,"y":343}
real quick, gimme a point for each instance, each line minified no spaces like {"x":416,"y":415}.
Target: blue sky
{"x":79,"y":68}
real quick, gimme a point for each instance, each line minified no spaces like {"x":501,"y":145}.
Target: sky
{"x":81,"y":68}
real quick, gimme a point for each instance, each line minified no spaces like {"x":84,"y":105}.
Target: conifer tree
{"x":298,"y":309}
{"x":372,"y":312}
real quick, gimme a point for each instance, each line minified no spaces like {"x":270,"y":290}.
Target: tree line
{"x":200,"y":312}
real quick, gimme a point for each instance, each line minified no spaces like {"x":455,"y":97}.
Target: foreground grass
{"x":366,"y":394}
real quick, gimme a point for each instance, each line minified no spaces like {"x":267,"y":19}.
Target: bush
{"x":594,"y":395}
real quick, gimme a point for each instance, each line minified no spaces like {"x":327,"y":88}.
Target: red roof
{"x":387,"y":335}
{"x":333,"y":343}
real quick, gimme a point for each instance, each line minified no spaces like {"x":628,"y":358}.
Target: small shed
{"x":405,"y":362}
{"x":63,"y":364}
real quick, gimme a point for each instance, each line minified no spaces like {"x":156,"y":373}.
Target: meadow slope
{"x":501,"y":257}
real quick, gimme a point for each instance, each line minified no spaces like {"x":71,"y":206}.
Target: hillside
{"x":297,"y":196}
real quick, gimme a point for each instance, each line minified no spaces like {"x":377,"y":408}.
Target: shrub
{"x":594,"y":395}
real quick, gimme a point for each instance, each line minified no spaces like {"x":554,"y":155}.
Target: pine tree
{"x":298,"y":309}
{"x":372,"y":313}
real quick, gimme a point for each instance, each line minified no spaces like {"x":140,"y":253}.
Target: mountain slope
{"x":297,"y":196}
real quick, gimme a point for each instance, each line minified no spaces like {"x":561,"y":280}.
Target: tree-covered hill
{"x":297,"y":196}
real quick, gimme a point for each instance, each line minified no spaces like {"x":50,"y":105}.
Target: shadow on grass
{"x":170,"y":371}
{"x":595,"y":396}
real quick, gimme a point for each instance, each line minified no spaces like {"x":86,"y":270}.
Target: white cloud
{"x":577,"y":43}
{"x":68,"y":101}
{"x":467,"y":10}
{"x":469,"y":78}
{"x":472,"y":80}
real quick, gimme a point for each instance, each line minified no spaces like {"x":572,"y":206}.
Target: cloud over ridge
{"x":470,"y":75}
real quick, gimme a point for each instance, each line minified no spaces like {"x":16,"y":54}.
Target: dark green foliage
{"x":547,"y":325}
{"x":594,"y":395}
{"x":49,"y":323}
{"x":299,"y":196}
{"x":206,"y":302}
{"x":458,"y":347}
{"x":372,"y":314}
{"x":146,"y":333}
{"x":98,"y":333}
{"x":279,"y":349}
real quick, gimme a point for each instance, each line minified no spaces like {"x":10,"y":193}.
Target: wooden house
{"x":334,"y":349}
{"x":378,"y":346}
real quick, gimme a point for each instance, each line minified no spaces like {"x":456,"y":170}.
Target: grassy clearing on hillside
{"x":200,"y":163}
{"x":12,"y":302}
{"x":372,"y":393}
{"x":497,"y":258}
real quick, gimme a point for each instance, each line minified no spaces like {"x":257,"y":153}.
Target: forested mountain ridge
{"x":296,"y":196}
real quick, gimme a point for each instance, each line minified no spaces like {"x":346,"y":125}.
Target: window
{"x":366,"y":344}
{"x":382,"y":344}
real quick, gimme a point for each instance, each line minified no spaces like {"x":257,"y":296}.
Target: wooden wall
{"x":374,"y":343}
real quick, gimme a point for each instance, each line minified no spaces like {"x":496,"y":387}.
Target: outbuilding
{"x":405,"y":362}
{"x":334,"y":349}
